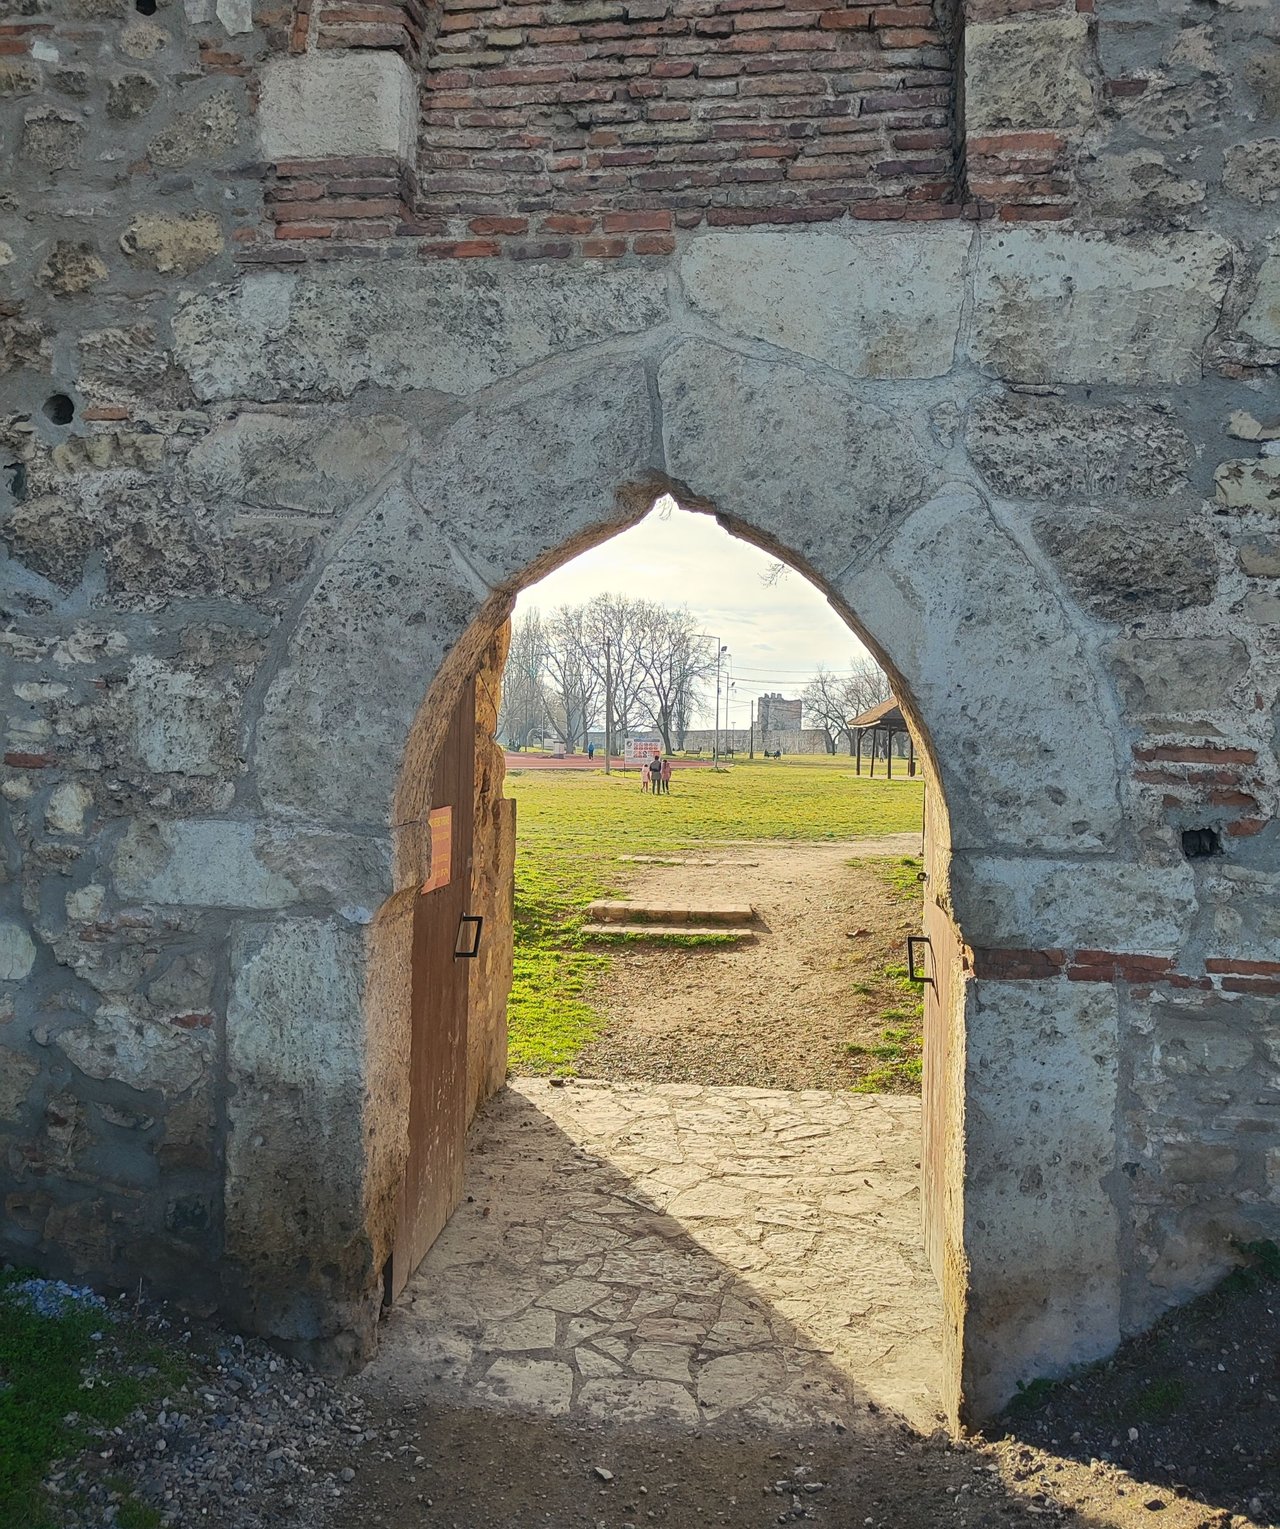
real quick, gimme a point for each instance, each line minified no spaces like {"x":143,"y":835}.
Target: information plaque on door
{"x":440,"y":823}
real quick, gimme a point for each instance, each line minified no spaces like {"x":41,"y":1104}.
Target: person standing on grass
{"x":644,"y":776}
{"x":655,"y":775}
{"x":666,"y":777}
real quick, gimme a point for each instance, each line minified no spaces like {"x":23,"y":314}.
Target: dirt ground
{"x":1210,"y":1464}
{"x":779,"y":1012}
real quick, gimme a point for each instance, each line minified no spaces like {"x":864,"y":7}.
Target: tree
{"x":575,"y":687}
{"x":612,"y":625}
{"x":824,"y":705}
{"x":866,"y":685}
{"x":524,"y":702}
{"x":675,"y":660}
{"x":831,"y":700}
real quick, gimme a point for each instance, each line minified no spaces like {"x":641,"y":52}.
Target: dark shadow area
{"x":1192,"y":1406}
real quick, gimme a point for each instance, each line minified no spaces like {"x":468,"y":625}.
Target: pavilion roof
{"x":887,"y":714}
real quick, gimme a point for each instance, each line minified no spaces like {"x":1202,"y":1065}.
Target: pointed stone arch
{"x":851,"y":487}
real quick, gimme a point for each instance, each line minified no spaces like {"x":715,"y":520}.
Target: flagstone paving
{"x":679,"y":1254}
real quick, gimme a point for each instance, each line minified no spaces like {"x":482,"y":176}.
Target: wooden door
{"x":944,"y":999}
{"x":438,"y":1046}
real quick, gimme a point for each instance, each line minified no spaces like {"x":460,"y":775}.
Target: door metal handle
{"x":477,"y":926}
{"x":912,"y":974}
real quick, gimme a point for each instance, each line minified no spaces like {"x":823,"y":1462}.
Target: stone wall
{"x":805,"y":740}
{"x":250,"y":513}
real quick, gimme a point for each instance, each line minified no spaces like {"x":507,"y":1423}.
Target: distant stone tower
{"x":776,"y":715}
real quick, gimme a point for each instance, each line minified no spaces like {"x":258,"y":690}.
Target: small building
{"x":884,"y":723}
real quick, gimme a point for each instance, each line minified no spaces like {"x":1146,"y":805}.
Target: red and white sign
{"x":638,"y":752}
{"x":440,"y":822}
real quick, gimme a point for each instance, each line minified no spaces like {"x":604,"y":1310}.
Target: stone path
{"x":679,"y":1254}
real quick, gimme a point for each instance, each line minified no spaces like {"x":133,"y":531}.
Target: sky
{"x":777,"y":635}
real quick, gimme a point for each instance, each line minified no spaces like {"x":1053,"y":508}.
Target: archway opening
{"x":714,"y":1039}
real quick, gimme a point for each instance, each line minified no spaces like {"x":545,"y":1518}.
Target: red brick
{"x":1245,"y":828}
{"x":1016,"y":143}
{"x":1268,"y":987}
{"x":780,"y":21}
{"x":907,"y":37}
{"x":1125,"y":87}
{"x":1018,"y":188}
{"x":338,"y":207}
{"x":1117,"y":966}
{"x":654,"y":244}
{"x":498,"y":225}
{"x":25,"y":761}
{"x":1196,"y":753}
{"x":603,"y":249}
{"x":1034,"y":213}
{"x":304,"y":230}
{"x":845,"y":21}
{"x":930,"y":212}
{"x":1242,"y":968}
{"x":461,"y":249}
{"x":931,"y":138}
{"x":637,"y":222}
{"x":546,"y":249}
{"x":999,"y":965}
{"x":1222,"y":796}
{"x":903,"y":16}
{"x":567,"y":223}
{"x":105,"y":412}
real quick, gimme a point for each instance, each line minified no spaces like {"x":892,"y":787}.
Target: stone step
{"x":678,"y":860}
{"x":728,"y":934}
{"x":616,"y":912}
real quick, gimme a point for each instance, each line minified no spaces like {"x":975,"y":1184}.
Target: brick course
{"x":720,"y":112}
{"x":755,"y":110}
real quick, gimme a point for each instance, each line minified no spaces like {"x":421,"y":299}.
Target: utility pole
{"x":751,"y":743}
{"x":608,"y":709}
{"x":715,"y":751}
{"x":721,"y":650}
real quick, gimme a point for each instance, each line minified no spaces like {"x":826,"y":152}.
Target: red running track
{"x":581,"y":762}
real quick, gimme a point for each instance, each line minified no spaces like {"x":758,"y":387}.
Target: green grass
{"x":549,"y":1022}
{"x":61,"y":1378}
{"x":780,"y":800}
{"x":903,"y":877}
{"x":573,"y":826}
{"x":896,"y":1061}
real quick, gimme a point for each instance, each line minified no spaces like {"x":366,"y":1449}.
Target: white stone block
{"x":870,"y":302}
{"x":1059,"y":307}
{"x":1261,"y":321}
{"x":329,"y":105}
{"x":17,"y":952}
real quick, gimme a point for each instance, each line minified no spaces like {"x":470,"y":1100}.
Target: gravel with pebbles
{"x":248,"y":1440}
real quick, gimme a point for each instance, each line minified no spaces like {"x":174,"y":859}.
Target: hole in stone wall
{"x":17,"y":480}
{"x":145,"y":7}
{"x":59,"y":408}
{"x":1199,"y":843}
